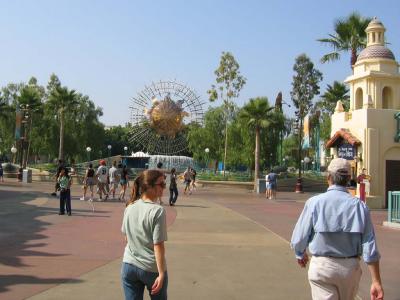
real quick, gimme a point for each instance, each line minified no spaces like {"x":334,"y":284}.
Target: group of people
{"x":335,"y":227}
{"x":106,"y":180}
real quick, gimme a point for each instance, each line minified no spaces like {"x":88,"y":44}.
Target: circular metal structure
{"x":160,"y":114}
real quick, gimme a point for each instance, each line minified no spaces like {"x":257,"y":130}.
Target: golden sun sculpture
{"x":166,"y":116}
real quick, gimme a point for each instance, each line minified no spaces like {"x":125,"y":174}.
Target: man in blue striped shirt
{"x":337,"y":229}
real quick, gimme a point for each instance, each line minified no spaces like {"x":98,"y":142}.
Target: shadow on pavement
{"x":21,"y":225}
{"x":9,"y":280}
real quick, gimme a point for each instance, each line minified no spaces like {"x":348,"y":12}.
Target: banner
{"x":306,"y":133}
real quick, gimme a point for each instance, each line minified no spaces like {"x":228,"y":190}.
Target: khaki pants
{"x":334,"y":278}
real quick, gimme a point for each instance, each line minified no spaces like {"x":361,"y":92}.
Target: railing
{"x":394,"y":207}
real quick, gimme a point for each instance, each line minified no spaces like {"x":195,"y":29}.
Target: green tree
{"x":257,"y":114}
{"x":305,"y":86}
{"x":229,"y":83}
{"x":208,"y":135}
{"x":349,"y":36}
{"x":62,"y":99}
{"x":332,"y":95}
{"x":31,"y":98}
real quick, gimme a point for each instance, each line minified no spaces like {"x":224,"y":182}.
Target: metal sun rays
{"x":150,"y":115}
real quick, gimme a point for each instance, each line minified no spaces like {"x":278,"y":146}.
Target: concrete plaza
{"x":223,"y":243}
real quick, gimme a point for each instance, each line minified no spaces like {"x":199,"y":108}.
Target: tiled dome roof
{"x":375,"y":51}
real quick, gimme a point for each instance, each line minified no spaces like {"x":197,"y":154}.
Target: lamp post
{"x":302,"y":166}
{"x":24,"y":108}
{"x":109,"y":153}
{"x":88,"y":149}
{"x":126,"y":150}
{"x":297,"y":130}
{"x":13,"y":151}
{"x":207,"y":150}
{"x":306,"y":162}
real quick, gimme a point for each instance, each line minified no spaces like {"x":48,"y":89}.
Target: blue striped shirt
{"x":335,"y":224}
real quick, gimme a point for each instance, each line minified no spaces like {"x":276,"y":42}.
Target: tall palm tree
{"x":61,"y":99}
{"x":349,"y":36}
{"x":334,"y":93}
{"x":257,"y":114}
{"x":31,"y":99}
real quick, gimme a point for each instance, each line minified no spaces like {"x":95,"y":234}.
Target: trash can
{"x":261,"y":186}
{"x":27,"y":176}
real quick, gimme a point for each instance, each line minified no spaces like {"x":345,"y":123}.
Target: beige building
{"x":368,"y":134}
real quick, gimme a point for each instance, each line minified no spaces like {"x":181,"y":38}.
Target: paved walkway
{"x":223,"y":244}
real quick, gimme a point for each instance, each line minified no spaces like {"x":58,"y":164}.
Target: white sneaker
{"x":82,"y":198}
{"x":91,"y":200}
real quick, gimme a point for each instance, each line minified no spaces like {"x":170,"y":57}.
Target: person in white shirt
{"x":114,"y":178}
{"x":102,"y":177}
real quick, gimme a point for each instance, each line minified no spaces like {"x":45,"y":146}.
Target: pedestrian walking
{"x":173,"y":188}
{"x":88,"y":182}
{"x":64,"y":181}
{"x":145,"y":229}
{"x":193,"y":178}
{"x":159,"y":167}
{"x":272,"y":184}
{"x":337,"y":229}
{"x":267,"y":187}
{"x":187,"y":177}
{"x":124,"y":180}
{"x":114,"y":178}
{"x":102,"y":179}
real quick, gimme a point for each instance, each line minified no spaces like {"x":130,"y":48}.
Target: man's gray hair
{"x":339,"y":179}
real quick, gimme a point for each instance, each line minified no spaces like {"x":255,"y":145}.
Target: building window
{"x":359,"y":99}
{"x":373,"y":37}
{"x":387,"y":98}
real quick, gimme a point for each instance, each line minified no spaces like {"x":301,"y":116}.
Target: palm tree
{"x":60,"y":100}
{"x":333,"y":94}
{"x":349,"y":36}
{"x":31,"y":99}
{"x":257,"y":114}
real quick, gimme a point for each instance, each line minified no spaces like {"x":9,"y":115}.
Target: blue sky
{"x":110,"y":49}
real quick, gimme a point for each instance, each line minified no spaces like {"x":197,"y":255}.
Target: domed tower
{"x":370,"y":126}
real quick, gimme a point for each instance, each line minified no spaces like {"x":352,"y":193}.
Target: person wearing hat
{"x":337,"y":229}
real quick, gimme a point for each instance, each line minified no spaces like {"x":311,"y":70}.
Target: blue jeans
{"x":65,"y":201}
{"x":173,"y":194}
{"x":135,"y":279}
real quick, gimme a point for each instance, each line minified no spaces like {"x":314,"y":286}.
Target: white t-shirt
{"x":102,"y":174}
{"x":114,"y":174}
{"x":266,"y":178}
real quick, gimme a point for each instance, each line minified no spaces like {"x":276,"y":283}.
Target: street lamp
{"x":109,"y":153}
{"x":306,"y":161}
{"x":88,"y":149}
{"x":302,"y":165}
{"x":126,"y":150}
{"x":13,"y":151}
{"x":206,"y":151}
{"x":297,"y":130}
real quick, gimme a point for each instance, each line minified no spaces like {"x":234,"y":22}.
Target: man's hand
{"x":157,"y":285}
{"x":376,"y":291}
{"x":303,"y":262}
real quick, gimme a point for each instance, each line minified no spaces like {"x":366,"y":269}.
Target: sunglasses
{"x":162,"y":184}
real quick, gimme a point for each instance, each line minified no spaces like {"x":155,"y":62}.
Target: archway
{"x":359,"y":99}
{"x":387,"y":102}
